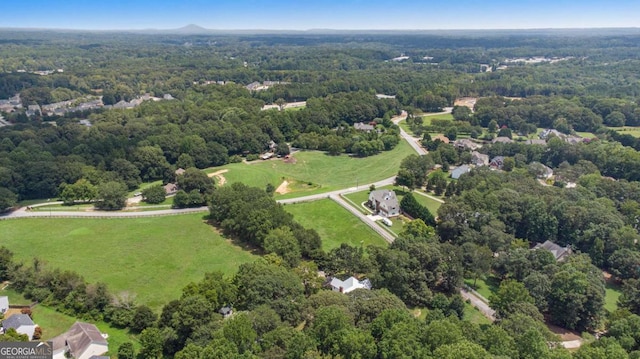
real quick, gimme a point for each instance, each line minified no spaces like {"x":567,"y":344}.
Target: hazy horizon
{"x":328,"y":15}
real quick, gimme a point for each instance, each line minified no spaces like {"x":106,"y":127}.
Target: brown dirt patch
{"x":220,"y":179}
{"x":283,"y":188}
{"x":291,"y":160}
{"x":565,"y":334}
{"x":12,"y":311}
{"x":466,"y":101}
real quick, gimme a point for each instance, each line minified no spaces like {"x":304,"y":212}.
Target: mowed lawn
{"x":335,"y":224}
{"x":152,"y":258}
{"x":627,"y":130}
{"x":612,"y":294}
{"x":324,"y":172}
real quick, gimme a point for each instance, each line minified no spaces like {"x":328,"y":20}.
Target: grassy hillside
{"x":324,"y":172}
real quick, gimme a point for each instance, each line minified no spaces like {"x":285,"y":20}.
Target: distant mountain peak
{"x":191,"y":29}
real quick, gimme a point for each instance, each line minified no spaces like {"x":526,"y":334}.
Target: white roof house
{"x":349,"y":285}
{"x":82,"y":341}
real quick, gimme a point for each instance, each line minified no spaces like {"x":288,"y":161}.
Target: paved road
{"x":368,"y":221}
{"x":413,"y":141}
{"x":479,"y":302}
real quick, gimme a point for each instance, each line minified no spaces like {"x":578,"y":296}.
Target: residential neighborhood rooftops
{"x":384,"y":202}
{"x":479,"y":159}
{"x":361,"y":126}
{"x":459,"y":171}
{"x":16,"y":321}
{"x":79,"y":339}
{"x":466,"y":143}
{"x":559,"y":253}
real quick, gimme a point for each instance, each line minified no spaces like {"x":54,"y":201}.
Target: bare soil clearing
{"x":283,"y":188}
{"x":220,"y":179}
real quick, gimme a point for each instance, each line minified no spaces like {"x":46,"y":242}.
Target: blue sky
{"x":327,"y":14}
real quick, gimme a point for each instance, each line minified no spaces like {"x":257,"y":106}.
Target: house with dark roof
{"x":349,"y":285}
{"x":22,"y":323}
{"x":384,"y":202}
{"x":559,"y":253}
{"x":459,"y":171}
{"x":81,"y":341}
{"x":497,"y":162}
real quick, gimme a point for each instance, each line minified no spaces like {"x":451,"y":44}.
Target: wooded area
{"x":201,"y":110}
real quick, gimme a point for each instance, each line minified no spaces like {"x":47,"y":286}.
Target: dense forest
{"x":353,"y":85}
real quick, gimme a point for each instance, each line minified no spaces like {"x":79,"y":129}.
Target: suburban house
{"x":81,"y":341}
{"x":544,"y":135}
{"x":541,"y":171}
{"x":170,"y":188}
{"x":226,"y":311}
{"x":442,"y":138}
{"x":22,"y":323}
{"x":497,"y":162}
{"x":459,"y":171}
{"x":349,"y":285}
{"x":179,"y":171}
{"x":384,"y":202}
{"x":502,"y":140}
{"x":479,"y":159}
{"x":559,"y":253}
{"x":466,"y":144}
{"x":361,"y":126}
{"x":4,"y":304}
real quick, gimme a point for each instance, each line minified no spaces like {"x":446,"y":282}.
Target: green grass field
{"x":54,"y":323}
{"x":484,"y":286}
{"x":473,"y":315}
{"x":611,"y":296}
{"x":428,"y":117}
{"x":627,"y":130}
{"x":334,"y":224}
{"x":153,"y":258}
{"x":324,"y":172}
